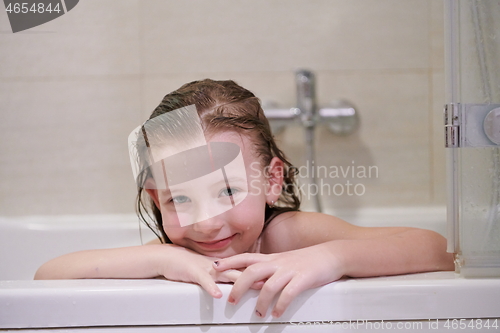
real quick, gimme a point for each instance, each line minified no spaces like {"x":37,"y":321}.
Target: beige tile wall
{"x":72,"y":89}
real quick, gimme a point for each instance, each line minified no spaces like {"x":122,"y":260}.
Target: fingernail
{"x":231,"y":300}
{"x":258,"y":313}
{"x":216,"y":262}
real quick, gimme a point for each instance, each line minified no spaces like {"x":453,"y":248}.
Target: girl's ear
{"x":275,"y":180}
{"x":149,"y":186}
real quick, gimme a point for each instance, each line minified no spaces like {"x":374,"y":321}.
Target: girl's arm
{"x":170,"y":261}
{"x":370,"y":251}
{"x":310,"y":249}
{"x":127,"y":262}
{"x":407,"y":250}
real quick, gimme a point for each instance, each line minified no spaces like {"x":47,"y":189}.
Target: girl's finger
{"x":269,"y":290}
{"x":231,"y":275}
{"x":206,"y":282}
{"x":247,"y":279}
{"x":258,"y":285}
{"x":239,"y":261}
{"x":288,"y":294}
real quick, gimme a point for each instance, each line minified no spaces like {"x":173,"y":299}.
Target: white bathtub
{"x":417,"y":302}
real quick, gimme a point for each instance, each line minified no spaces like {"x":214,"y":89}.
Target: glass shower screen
{"x":472,"y":126}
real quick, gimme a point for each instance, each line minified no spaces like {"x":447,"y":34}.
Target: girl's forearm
{"x":410,"y":251}
{"x":127,"y":262}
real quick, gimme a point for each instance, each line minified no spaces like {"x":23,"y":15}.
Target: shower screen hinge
{"x":451,"y":126}
{"x":471,"y":125}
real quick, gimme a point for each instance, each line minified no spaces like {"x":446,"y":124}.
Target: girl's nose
{"x":209,"y":225}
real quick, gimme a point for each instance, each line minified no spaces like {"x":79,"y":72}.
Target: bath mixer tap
{"x":341,"y":118}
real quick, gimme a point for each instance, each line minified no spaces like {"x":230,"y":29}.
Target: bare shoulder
{"x":294,"y":230}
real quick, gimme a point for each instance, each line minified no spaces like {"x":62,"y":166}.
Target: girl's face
{"x":233,"y":231}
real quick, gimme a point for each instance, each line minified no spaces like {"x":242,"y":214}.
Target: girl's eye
{"x":180,"y":199}
{"x":229,"y":191}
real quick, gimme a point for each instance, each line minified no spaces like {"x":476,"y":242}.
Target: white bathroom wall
{"x":72,"y":89}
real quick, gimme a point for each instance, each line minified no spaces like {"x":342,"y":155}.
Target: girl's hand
{"x":188,"y":266}
{"x":288,"y":272}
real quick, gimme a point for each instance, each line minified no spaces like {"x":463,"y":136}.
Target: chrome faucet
{"x":306,"y":97}
{"x":341,"y":118}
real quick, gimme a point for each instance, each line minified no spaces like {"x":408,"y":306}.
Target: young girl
{"x":249,"y":229}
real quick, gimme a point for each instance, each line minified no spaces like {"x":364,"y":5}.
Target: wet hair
{"x":225,"y":106}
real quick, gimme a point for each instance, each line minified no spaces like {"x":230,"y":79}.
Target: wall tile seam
{"x":68,"y":78}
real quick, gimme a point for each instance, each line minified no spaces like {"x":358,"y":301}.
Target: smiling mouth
{"x":218,"y":244}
